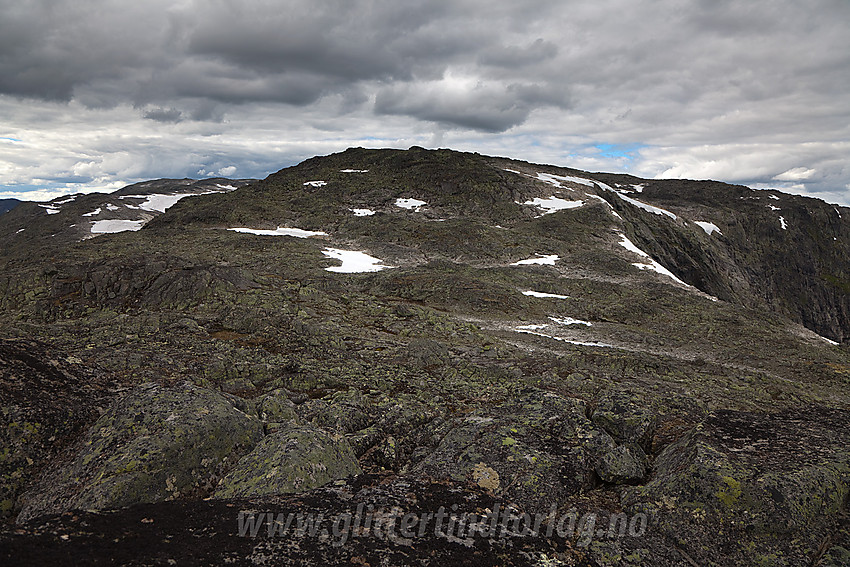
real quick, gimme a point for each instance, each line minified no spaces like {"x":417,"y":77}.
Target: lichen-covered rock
{"x":779,"y":477}
{"x":290,"y":460}
{"x":535,"y":450}
{"x":343,"y":412}
{"x":626,"y":418}
{"x":154,"y":444}
{"x":622,"y":464}
{"x":47,"y":399}
{"x":276,"y":408}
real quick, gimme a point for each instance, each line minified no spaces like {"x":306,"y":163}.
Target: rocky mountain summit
{"x":426,"y":357}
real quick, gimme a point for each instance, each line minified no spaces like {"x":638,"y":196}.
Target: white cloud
{"x":796,"y":174}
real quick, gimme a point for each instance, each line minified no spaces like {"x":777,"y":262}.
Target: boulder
{"x":290,"y":460}
{"x":156,"y":443}
{"x":535,"y":450}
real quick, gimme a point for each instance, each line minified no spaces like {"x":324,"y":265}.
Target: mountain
{"x":654,"y":371}
{"x":72,"y":218}
{"x":7,"y":205}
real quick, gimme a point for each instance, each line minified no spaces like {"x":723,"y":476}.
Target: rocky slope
{"x":416,"y":329}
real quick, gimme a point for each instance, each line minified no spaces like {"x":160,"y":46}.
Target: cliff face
{"x":419,"y":329}
{"x":785,"y":252}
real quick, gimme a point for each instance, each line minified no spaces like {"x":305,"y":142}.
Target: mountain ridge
{"x":434,"y":328}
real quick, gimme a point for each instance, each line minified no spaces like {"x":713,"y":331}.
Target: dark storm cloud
{"x":469,"y":104}
{"x":238,"y":52}
{"x":163,"y":115}
{"x":752,"y":91}
{"x":515,"y":56}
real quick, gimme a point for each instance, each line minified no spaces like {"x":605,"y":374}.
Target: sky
{"x":98,"y":94}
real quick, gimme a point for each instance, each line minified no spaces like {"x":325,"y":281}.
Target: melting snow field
{"x":570,"y":321}
{"x":645,"y":207}
{"x":553,"y":204}
{"x":652,"y":265}
{"x":708,"y":227}
{"x":544,"y":260}
{"x":545,"y":295}
{"x":158,"y":202}
{"x":362,"y":212}
{"x":409,"y":203}
{"x":533,"y":330}
{"x":280,"y":231}
{"x":112,"y":226}
{"x":353,"y":262}
{"x":556,"y":180}
{"x":651,"y":208}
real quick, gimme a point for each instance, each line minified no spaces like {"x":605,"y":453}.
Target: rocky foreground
{"x":531,"y":366}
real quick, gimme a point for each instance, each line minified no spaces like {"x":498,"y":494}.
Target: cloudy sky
{"x":97,"y":94}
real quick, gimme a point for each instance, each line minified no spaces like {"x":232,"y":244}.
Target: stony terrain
{"x":511,"y":334}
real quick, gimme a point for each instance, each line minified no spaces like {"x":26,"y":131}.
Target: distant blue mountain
{"x":7,"y":205}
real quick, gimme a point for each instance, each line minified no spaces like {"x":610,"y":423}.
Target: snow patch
{"x":545,"y":295}
{"x":652,"y":264}
{"x":362,"y":212}
{"x":353,"y":262}
{"x":651,"y":208}
{"x":159,"y":202}
{"x":556,"y":180}
{"x":541,"y":259}
{"x":111,"y":207}
{"x":531,"y":327}
{"x":782,"y":223}
{"x":570,"y":321}
{"x":316,"y":183}
{"x":280,"y":231}
{"x":49,"y":209}
{"x":93,"y":213}
{"x":68,"y":200}
{"x":646,"y":207}
{"x":20,"y":231}
{"x":354,"y":170}
{"x":113,"y":226}
{"x":409,"y":203}
{"x":553,"y":204}
{"x":772,"y":208}
{"x":708,"y":227}
{"x":773,"y":197}
{"x":532,"y":330}
{"x":226,"y":187}
{"x":639,"y":187}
